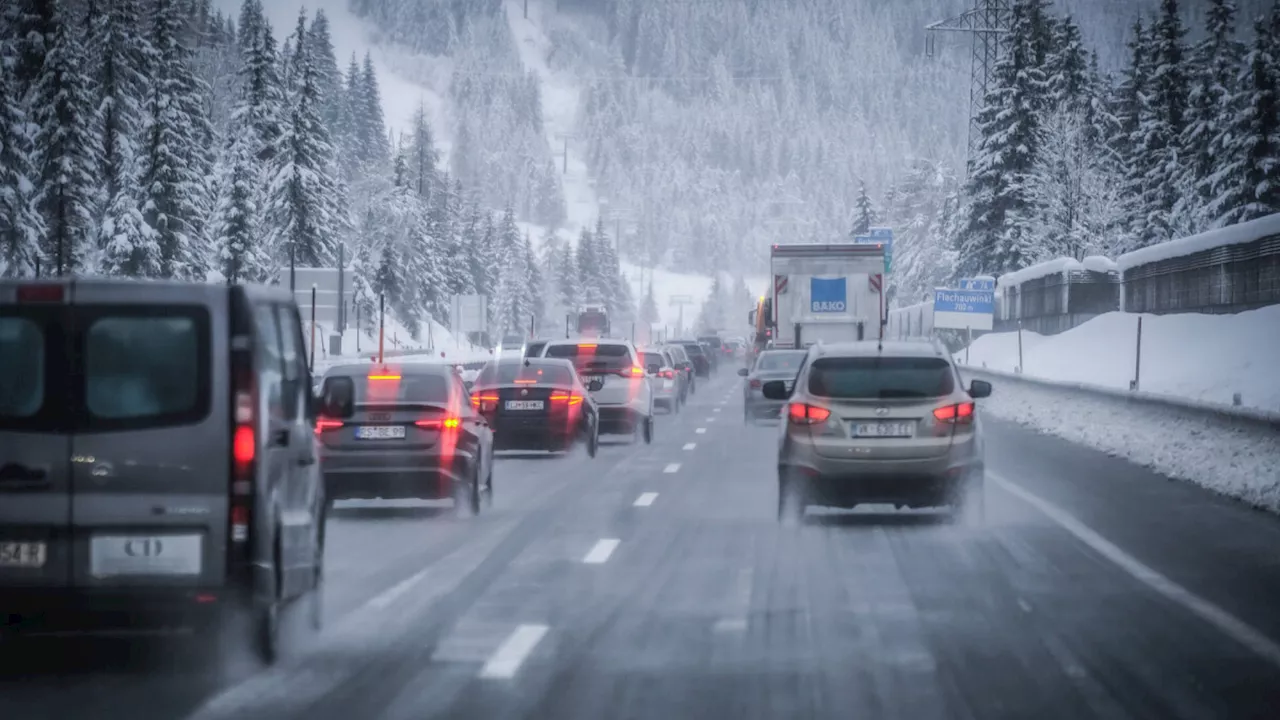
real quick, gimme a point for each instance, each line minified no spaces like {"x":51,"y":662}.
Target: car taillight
{"x":668,"y":374}
{"x":566,"y":398}
{"x":755,"y":383}
{"x":327,"y":424}
{"x":244,"y":457}
{"x":447,"y":423}
{"x":961,"y":414}
{"x":803,"y":414}
{"x":484,"y":402}
{"x":632,"y":372}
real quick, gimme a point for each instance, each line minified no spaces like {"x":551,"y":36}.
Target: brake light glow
{"x":668,"y":374}
{"x":961,"y":413}
{"x":755,"y":383}
{"x":244,"y":460}
{"x":384,"y":377}
{"x":325,"y":424}
{"x":40,"y":293}
{"x":570,"y":398}
{"x":484,"y":402}
{"x":523,"y":381}
{"x":802,"y":414}
{"x":244,"y":447}
{"x":448,"y":423}
{"x":635,"y":371}
{"x":588,"y":346}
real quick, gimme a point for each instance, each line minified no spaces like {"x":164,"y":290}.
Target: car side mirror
{"x":595,"y":385}
{"x":775,"y":390}
{"x":979,"y":389}
{"x":743,"y":372}
{"x":337,"y":398}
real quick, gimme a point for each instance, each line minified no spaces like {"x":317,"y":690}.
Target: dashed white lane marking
{"x":701,"y":431}
{"x":690,"y":446}
{"x":512,"y":653}
{"x":646,"y":499}
{"x":1224,"y":621}
{"x":711,"y":419}
{"x":601,"y":551}
{"x":673,"y":467}
{"x":716,"y":410}
{"x":381,"y":602}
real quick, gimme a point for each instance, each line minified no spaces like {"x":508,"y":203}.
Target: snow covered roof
{"x":1039,"y":270}
{"x":1231,"y":235}
{"x":1099,"y":264}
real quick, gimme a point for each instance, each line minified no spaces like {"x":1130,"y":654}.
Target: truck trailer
{"x":826,"y":293}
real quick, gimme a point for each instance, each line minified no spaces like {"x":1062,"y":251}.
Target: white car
{"x":617,"y":381}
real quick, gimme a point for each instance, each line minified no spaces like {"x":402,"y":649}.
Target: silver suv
{"x":876,"y":423}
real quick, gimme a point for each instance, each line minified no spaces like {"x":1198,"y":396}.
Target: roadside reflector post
{"x":1019,"y":368}
{"x":382,"y":315}
{"x":311,"y":364}
{"x":969,"y":332}
{"x":1137,"y":359}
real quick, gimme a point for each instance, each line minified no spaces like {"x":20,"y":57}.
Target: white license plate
{"x":588,"y":379}
{"x":22,"y":554}
{"x":884,"y":430}
{"x":380,"y":432}
{"x":524,"y":405}
{"x":111,"y":555}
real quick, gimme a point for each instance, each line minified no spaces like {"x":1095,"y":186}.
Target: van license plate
{"x":380,"y":432}
{"x":524,"y":404}
{"x":22,"y":554}
{"x":884,"y":430}
{"x":111,"y":555}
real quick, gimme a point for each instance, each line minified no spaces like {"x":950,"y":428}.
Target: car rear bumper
{"x":845,"y":484}
{"x":431,"y":477}
{"x":526,"y":438}
{"x":116,"y":610}
{"x":769,"y":409}
{"x":619,"y":419}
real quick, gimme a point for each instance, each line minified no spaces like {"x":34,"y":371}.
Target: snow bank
{"x":1039,"y":270}
{"x":1240,"y":460}
{"x":1201,"y":357}
{"x":1099,"y":264}
{"x":1232,"y":235}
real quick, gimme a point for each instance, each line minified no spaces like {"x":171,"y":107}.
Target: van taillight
{"x":244,"y":458}
{"x":51,"y":293}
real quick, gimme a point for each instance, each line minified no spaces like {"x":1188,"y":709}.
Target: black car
{"x":404,"y":432}
{"x":715,"y":348}
{"x":537,"y":404}
{"x":697,"y":354}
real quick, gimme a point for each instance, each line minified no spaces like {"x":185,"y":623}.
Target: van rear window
{"x":21,"y":367}
{"x":141,"y":367}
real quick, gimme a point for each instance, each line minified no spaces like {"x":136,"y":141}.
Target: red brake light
{"x":324,"y":424}
{"x":447,"y":423}
{"x":244,"y":447}
{"x":384,"y":377}
{"x":755,"y":383}
{"x":570,"y":398}
{"x":802,"y":414}
{"x":40,"y":293}
{"x":961,"y":413}
{"x":587,"y":346}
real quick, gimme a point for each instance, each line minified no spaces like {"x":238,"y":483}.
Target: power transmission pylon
{"x":986,"y":21}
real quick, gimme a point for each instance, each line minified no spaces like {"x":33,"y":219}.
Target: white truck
{"x":828,"y":293}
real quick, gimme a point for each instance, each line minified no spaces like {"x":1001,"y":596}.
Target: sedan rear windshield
{"x":882,"y":378}
{"x":534,"y":373}
{"x":780,"y":361}
{"x":653,"y":359}
{"x":588,"y":356}
{"x":396,"y":387}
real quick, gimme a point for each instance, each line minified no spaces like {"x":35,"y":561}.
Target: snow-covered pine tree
{"x":262,"y":102}
{"x":1066,"y":69}
{"x":1212,"y":109}
{"x":1163,"y":125}
{"x":491,"y":257}
{"x":549,"y":210}
{"x":236,"y":216}
{"x":21,"y":225}
{"x":864,"y":215}
{"x":33,"y":26}
{"x":588,"y":264}
{"x":1249,"y":174}
{"x":997,"y":236}
{"x":122,"y":54}
{"x":371,"y":127}
{"x":535,"y":290}
{"x":328,"y":76}
{"x":511,"y":297}
{"x":611,"y":282}
{"x":422,"y":155}
{"x":567,"y":278}
{"x":64,"y":147}
{"x":301,"y":211}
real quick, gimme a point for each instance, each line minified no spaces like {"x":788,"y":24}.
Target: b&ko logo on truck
{"x":827,"y":295}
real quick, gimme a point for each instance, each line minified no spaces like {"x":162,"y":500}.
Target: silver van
{"x":158,"y":467}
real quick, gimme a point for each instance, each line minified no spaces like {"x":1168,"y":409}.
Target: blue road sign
{"x":864,"y":240}
{"x":827,"y":295}
{"x":884,"y":235}
{"x":959,"y":309}
{"x":984,"y":284}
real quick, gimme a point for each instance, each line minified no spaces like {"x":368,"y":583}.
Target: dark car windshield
{"x":605,"y":357}
{"x":881,"y":377}
{"x":780,"y":361}
{"x":652,"y":359}
{"x":711,"y":340}
{"x":513,"y":373}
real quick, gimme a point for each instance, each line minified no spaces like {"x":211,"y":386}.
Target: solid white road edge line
{"x":511,"y":654}
{"x":690,"y":446}
{"x":645,"y":499}
{"x":601,"y":551}
{"x":673,"y":467}
{"x":1224,"y":621}
{"x":381,"y":602}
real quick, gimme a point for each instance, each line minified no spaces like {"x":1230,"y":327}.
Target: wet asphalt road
{"x":655,"y":582}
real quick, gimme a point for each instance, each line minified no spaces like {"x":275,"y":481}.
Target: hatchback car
{"x":617,"y":381}
{"x":769,"y":365}
{"x":157,"y":461}
{"x":662,"y":378}
{"x":890,"y":423}
{"x":536,"y":404}
{"x":684,"y":369}
{"x":406,"y":431}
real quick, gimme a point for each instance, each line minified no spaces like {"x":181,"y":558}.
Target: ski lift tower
{"x":986,"y":21}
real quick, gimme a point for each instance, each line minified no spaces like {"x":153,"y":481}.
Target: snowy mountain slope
{"x":560,"y":96}
{"x":401,"y":96}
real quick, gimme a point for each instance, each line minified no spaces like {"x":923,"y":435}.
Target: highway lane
{"x":656,"y":582}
